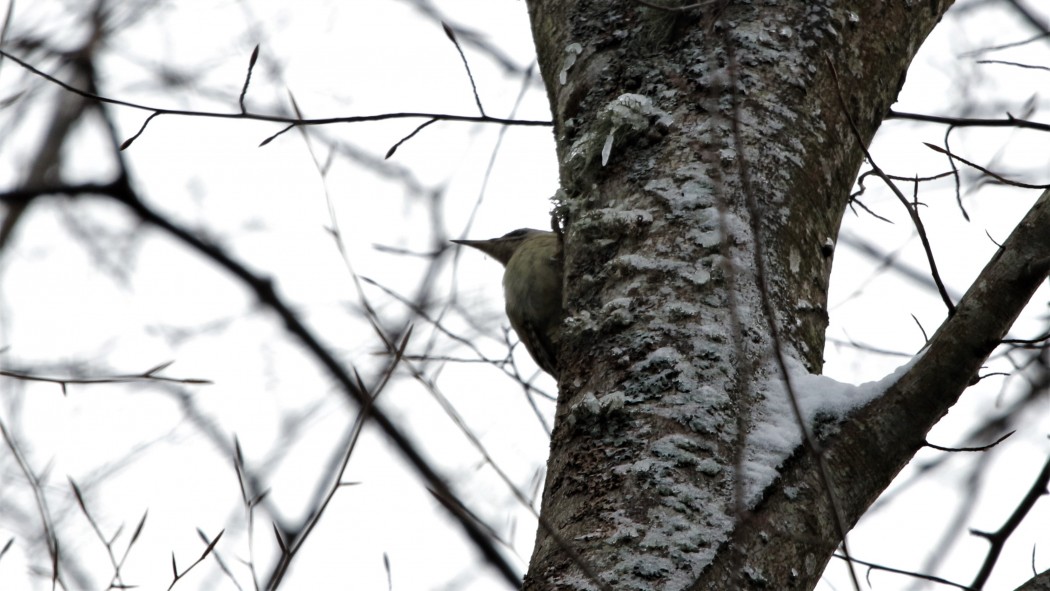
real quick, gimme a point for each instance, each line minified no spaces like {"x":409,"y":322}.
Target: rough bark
{"x":687,"y":139}
{"x":1040,"y":582}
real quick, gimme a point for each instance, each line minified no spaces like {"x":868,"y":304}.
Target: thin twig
{"x":41,"y":501}
{"x":998,"y":538}
{"x":997,"y":177}
{"x":418,"y":129}
{"x":978,"y":448}
{"x":177,"y":576}
{"x":1010,"y":121}
{"x":248,"y":78}
{"x":898,"y":571}
{"x":146,"y":376}
{"x":912,"y":211}
{"x":466,"y":65}
{"x":292,"y":122}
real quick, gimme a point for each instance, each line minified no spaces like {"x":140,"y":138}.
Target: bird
{"x":532,"y":288}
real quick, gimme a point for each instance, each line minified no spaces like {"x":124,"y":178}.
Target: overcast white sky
{"x":83,"y":288}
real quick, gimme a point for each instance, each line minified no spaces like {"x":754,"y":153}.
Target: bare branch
{"x":998,"y":538}
{"x":291,"y":122}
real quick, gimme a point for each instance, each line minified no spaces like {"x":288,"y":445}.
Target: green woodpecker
{"x":532,"y":287}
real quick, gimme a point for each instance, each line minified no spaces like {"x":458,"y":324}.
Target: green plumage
{"x":532,"y":288}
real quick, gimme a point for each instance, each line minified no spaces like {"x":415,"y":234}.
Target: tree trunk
{"x":707,"y":156}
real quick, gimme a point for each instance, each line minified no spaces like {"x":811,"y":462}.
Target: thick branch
{"x":901,"y":418}
{"x":873,"y":445}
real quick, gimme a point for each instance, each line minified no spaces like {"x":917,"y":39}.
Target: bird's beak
{"x":488,"y":247}
{"x":479,"y":244}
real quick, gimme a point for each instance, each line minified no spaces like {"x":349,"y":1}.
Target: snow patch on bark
{"x":775,"y":433}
